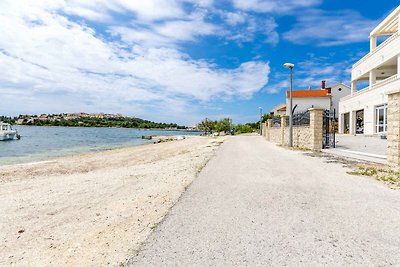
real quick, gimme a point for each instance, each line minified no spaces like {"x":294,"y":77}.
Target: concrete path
{"x":369,"y":148}
{"x":256,"y":204}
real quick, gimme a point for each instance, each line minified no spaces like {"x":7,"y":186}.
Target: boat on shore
{"x":7,"y":132}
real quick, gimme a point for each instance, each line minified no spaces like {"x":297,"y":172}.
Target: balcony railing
{"x":385,"y":81}
{"x":374,"y":86}
{"x":377,"y":49}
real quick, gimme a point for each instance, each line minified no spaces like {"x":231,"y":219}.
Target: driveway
{"x":370,"y":148}
{"x":256,"y":204}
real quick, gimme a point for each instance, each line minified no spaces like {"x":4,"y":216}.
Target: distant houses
{"x":279,"y":110}
{"x":30,"y":119}
{"x":326,"y":98}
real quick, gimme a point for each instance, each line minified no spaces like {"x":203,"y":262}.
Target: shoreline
{"x":94,"y":209}
{"x":98,"y":153}
{"x":46,"y":156}
{"x":60,"y":157}
{"x":99,"y":127}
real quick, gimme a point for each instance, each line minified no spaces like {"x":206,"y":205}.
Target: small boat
{"x":7,"y":132}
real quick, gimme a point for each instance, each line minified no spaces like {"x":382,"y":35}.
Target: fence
{"x":276,"y":122}
{"x":307,"y":130}
{"x":302,"y":119}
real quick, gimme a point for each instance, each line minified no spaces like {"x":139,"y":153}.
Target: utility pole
{"x":260,"y":108}
{"x":290,"y":66}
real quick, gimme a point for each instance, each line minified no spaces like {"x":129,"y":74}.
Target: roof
{"x":309,"y":93}
{"x":389,"y":25}
{"x":282,"y":109}
{"x":280,"y":105}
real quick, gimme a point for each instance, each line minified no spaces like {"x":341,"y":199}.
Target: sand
{"x":94,"y":209}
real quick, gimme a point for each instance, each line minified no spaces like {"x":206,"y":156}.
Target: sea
{"x":44,"y":143}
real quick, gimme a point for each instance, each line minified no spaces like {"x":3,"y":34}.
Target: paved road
{"x":256,"y":204}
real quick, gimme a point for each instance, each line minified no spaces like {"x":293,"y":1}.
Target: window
{"x":340,"y":89}
{"x":381,"y":119}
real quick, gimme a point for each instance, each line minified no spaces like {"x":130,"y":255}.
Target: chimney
{"x":323,"y":85}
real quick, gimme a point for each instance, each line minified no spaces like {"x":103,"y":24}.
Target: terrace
{"x":382,"y":64}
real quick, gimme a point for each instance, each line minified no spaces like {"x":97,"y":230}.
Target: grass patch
{"x":383,"y":173}
{"x":296,"y":148}
{"x":387,"y":175}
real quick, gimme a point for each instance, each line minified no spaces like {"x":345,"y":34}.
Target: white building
{"x":365,"y":111}
{"x":278,"y":110}
{"x":324,"y":98}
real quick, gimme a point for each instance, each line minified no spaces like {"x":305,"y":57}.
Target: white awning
{"x":389,"y":25}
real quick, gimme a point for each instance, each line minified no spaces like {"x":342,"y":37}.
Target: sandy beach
{"x":94,"y":209}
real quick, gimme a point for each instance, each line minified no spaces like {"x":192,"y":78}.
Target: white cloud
{"x":245,"y":27}
{"x":233,"y":18}
{"x":274,"y":6}
{"x":58,"y":64}
{"x":165,"y":34}
{"x":310,"y":73}
{"x":149,"y":10}
{"x":329,"y":28}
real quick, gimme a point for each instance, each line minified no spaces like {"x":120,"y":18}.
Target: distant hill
{"x":75,"y":120}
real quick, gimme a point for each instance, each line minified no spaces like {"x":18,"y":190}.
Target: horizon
{"x":175,"y":61}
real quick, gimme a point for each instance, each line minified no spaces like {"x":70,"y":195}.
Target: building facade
{"x":278,"y":110}
{"x":323,"y":98}
{"x":365,"y":111}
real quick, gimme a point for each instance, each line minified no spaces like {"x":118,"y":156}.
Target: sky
{"x":175,"y":60}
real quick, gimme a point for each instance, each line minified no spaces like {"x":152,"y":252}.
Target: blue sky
{"x":175,"y":60}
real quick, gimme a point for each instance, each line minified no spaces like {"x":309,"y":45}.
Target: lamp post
{"x":290,"y":66}
{"x":260,"y":108}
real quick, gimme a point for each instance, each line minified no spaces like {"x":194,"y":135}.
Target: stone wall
{"x":302,"y":137}
{"x":393,"y":135}
{"x":275,"y":135}
{"x":307,"y":137}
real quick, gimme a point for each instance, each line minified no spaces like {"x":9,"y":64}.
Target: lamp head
{"x":288,"y":65}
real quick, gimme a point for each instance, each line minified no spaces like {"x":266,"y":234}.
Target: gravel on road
{"x":257,"y":204}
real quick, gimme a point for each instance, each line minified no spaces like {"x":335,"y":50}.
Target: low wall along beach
{"x":304,"y":136}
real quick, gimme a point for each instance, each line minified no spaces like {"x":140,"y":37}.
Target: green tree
{"x":223,"y":125}
{"x":206,"y":126}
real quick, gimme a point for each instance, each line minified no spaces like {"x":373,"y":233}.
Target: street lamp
{"x":290,"y":66}
{"x":260,"y":108}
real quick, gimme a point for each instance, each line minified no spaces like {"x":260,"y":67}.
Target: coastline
{"x":94,"y":209}
{"x":44,"y":158}
{"x":45,"y":143}
{"x":111,"y":127}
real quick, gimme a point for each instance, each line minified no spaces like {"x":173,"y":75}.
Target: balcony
{"x":391,"y":80}
{"x":384,"y":52}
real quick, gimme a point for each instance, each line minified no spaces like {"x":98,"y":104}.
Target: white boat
{"x":7,"y":132}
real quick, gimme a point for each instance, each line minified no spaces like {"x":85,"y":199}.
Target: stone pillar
{"x":353,"y":87}
{"x":284,"y":131}
{"x":269,"y":123}
{"x":264,"y":129}
{"x":341,"y":123}
{"x":372,"y":77}
{"x":393,"y":134}
{"x":372,"y":43}
{"x":316,"y":128}
{"x":268,"y":130}
{"x":352,"y":122}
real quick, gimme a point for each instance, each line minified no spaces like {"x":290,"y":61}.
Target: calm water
{"x":43,"y":143}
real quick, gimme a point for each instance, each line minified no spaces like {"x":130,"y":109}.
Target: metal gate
{"x":329,"y":129}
